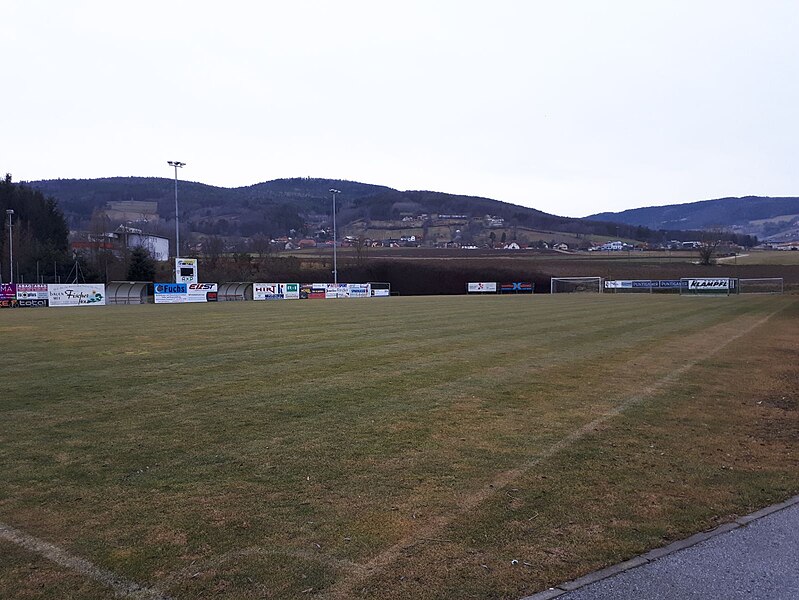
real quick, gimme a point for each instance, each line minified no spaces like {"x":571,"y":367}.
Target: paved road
{"x":757,"y":562}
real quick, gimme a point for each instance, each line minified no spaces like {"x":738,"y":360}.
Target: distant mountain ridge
{"x":273,"y":208}
{"x":766,"y":217}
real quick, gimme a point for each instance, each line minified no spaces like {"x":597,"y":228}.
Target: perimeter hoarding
{"x":709,"y":284}
{"x":8,"y":295}
{"x":358,"y":290}
{"x":171,"y":293}
{"x":76,"y":294}
{"x":485,"y":287}
{"x":32,"y":295}
{"x":313,"y":291}
{"x":276,"y":291}
{"x":202,"y":292}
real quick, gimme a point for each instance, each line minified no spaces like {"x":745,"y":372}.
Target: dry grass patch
{"x":350,"y":448}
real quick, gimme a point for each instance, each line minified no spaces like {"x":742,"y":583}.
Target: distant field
{"x":777,"y":257}
{"x":396,"y":448}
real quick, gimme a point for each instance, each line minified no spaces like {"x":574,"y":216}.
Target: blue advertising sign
{"x":171,"y":293}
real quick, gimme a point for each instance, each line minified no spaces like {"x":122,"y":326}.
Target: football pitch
{"x":427,"y":447}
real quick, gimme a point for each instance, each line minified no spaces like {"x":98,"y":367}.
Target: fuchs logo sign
{"x":170,"y":288}
{"x":709,"y":284}
{"x":170,"y":293}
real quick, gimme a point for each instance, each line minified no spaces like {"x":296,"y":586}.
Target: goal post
{"x":762,"y":285}
{"x":560,"y":285}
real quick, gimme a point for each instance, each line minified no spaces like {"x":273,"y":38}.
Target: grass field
{"x":397,"y":448}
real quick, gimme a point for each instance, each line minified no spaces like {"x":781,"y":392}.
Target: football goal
{"x":765,"y":285}
{"x":558,"y":285}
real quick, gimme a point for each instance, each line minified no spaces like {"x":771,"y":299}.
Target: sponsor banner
{"x":516,"y":287}
{"x":8,"y":295}
{"x":76,"y":294}
{"x":671,"y":283}
{"x":313,"y":290}
{"x":291,"y":291}
{"x":201,"y":292}
{"x":617,"y":284}
{"x":8,"y":291}
{"x":482,"y":286}
{"x":380,"y":293}
{"x":332,"y":290}
{"x":267,"y":291}
{"x":33,"y":303}
{"x":358,"y":290}
{"x":32,"y":295}
{"x":31,"y":291}
{"x":171,"y":293}
{"x":709,"y":284}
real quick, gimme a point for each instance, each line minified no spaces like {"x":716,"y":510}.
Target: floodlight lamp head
{"x":332,"y":191}
{"x":9,"y":211}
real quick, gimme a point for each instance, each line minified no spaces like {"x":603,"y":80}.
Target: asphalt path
{"x":759,"y":561}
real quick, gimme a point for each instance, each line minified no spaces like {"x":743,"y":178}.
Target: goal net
{"x":766,"y":285}
{"x":559,"y":285}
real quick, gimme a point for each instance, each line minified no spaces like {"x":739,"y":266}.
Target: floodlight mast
{"x":335,"y":263}
{"x":177,"y":164}
{"x":10,"y":213}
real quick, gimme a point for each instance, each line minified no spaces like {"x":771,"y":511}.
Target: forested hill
{"x":756,"y":215}
{"x":274,"y":207}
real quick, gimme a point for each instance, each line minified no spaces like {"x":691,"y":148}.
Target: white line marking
{"x":123,"y":588}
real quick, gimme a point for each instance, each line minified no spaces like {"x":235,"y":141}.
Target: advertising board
{"x":332,"y":291}
{"x":76,"y":294}
{"x":291,"y":291}
{"x":32,"y":295}
{"x":358,"y":290}
{"x":267,"y":291}
{"x":8,"y":295}
{"x":709,"y":284}
{"x":312,"y":291}
{"x":516,"y":287}
{"x":482,"y":287}
{"x":618,"y":284}
{"x":201,"y":292}
{"x":171,"y":293}
{"x":380,"y":293}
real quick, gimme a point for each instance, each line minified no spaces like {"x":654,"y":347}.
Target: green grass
{"x":769,"y":257}
{"x":348,"y":448}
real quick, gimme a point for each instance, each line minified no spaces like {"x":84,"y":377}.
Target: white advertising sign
{"x":482,"y":286}
{"x":332,"y":290}
{"x":77,"y":294}
{"x":266,"y":291}
{"x":715,"y":283}
{"x":358,"y":290}
{"x":32,"y":291}
{"x":201,"y":292}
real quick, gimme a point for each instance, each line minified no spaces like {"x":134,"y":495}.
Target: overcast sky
{"x":572,"y":107}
